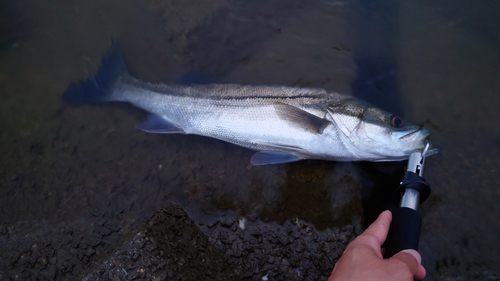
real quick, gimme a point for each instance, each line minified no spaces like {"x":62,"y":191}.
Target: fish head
{"x":373,"y":134}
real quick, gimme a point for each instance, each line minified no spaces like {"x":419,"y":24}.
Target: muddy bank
{"x":170,"y":246}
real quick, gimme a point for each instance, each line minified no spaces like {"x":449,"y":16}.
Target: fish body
{"x":283,"y":124}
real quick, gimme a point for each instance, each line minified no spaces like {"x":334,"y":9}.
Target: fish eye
{"x":396,"y":121}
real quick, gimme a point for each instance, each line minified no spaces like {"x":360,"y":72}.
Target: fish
{"x":281,"y":123}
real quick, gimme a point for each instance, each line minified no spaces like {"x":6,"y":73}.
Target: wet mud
{"x":292,"y":251}
{"x":41,"y":251}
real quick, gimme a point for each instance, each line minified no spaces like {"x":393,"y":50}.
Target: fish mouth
{"x":419,"y":134}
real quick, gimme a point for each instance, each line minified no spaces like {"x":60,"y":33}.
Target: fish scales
{"x":240,"y":118}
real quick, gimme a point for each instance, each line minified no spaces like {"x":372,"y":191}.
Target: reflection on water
{"x":436,"y":62}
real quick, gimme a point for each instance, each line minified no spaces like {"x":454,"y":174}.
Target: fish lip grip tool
{"x":404,"y":232}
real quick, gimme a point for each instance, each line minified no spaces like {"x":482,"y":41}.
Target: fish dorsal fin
{"x":301,"y":118}
{"x":272,"y":157}
{"x":157,"y":125}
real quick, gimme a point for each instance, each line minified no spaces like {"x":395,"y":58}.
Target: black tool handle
{"x":404,"y":232}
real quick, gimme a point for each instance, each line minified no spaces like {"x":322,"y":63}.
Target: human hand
{"x":363,"y":260}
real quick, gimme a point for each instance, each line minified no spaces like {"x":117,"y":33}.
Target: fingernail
{"x":415,"y":254}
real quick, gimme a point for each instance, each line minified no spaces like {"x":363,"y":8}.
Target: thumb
{"x":413,"y":261}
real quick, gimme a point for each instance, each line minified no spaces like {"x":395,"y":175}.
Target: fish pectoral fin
{"x":272,"y":157}
{"x":301,"y":118}
{"x":157,"y":125}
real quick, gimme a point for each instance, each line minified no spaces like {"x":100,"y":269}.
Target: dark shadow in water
{"x":375,"y":30}
{"x":379,"y":181}
{"x":375,"y":27}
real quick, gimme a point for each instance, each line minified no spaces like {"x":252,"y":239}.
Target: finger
{"x":420,"y":273}
{"x":380,"y":227}
{"x":410,"y":258}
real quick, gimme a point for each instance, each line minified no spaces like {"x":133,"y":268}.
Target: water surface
{"x":437,"y":62}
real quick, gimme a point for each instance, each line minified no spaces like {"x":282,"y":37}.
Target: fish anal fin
{"x":271,"y":157}
{"x":301,"y":118}
{"x":157,"y":125}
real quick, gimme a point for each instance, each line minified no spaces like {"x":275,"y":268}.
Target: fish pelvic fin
{"x":157,"y":125}
{"x":99,"y":87}
{"x":272,"y":157}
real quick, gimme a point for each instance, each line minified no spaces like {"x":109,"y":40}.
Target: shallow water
{"x":437,"y":62}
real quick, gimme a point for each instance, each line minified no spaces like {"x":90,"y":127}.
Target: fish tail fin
{"x":98,"y":88}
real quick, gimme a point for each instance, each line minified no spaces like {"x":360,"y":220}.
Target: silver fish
{"x":283,"y":124}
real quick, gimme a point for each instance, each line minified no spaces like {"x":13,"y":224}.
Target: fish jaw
{"x":413,"y":140}
{"x":404,"y":143}
{"x":419,"y":138}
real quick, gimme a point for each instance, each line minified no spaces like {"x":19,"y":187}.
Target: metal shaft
{"x":410,"y":199}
